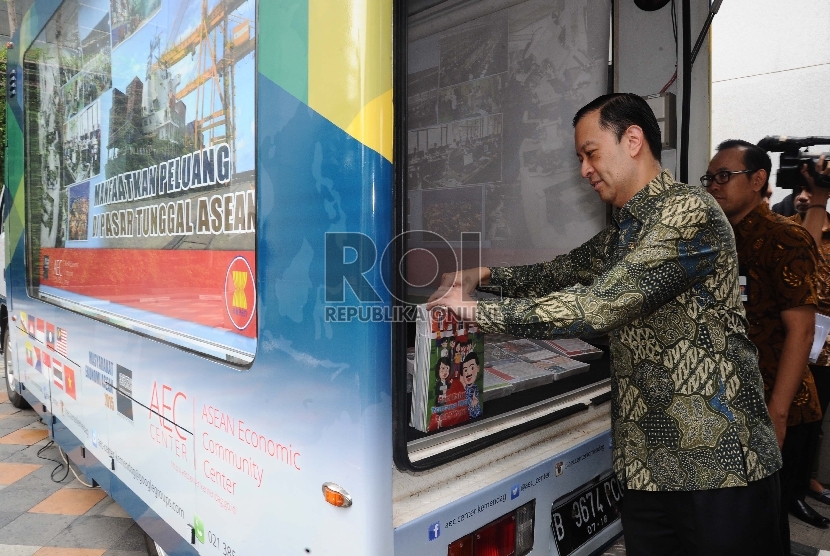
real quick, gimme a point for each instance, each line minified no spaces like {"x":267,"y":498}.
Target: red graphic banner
{"x":212,"y":288}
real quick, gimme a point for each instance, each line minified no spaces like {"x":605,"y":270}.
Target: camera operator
{"x":811,"y":207}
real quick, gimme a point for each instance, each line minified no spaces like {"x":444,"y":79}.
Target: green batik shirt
{"x":687,"y":406}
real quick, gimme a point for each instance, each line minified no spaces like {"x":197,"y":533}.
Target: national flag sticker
{"x":57,"y":374}
{"x":30,"y":355}
{"x":240,"y":293}
{"x":30,"y":328}
{"x":62,"y":338}
{"x":50,"y":335}
{"x":38,"y":366}
{"x":40,"y":331}
{"x":69,"y":381}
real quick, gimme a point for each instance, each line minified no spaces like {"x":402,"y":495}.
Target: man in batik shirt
{"x":777,"y":259}
{"x":692,"y":438}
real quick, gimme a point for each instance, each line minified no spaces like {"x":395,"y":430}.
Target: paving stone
{"x":17,"y":550}
{"x":21,"y":497}
{"x":8,"y":451}
{"x":8,"y":517}
{"x":69,"y":501}
{"x":27,"y":454}
{"x":34,"y":529}
{"x":9,"y":409}
{"x":15,"y":422}
{"x":13,"y":472}
{"x":142,"y":552}
{"x":107,"y":507}
{"x":133,"y":539}
{"x":41,"y":477}
{"x":60,"y":551}
{"x":24,"y":436}
{"x":93,"y":532}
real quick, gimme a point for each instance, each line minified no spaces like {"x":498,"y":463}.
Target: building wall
{"x":770,"y":71}
{"x":646,"y":58}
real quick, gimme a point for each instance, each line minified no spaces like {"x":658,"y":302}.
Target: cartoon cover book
{"x":448,"y":386}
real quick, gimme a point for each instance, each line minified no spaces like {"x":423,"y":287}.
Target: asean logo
{"x":240,"y":293}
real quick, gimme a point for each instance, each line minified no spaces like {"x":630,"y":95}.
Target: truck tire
{"x":153,"y":549}
{"x":11,"y":374}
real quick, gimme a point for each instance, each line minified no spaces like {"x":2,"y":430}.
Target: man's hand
{"x":455,"y":300}
{"x":456,"y":289}
{"x":779,"y":423}
{"x":820,"y":191}
{"x":815,"y":218}
{"x":468,"y":280}
{"x":799,"y":327}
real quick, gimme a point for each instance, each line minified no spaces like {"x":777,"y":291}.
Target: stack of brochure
{"x":573,"y":348}
{"x":495,"y":386}
{"x":448,"y":382}
{"x":531,"y":363}
{"x":562,"y":367}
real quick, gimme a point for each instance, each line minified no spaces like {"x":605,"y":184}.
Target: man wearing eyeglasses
{"x":777,"y":263}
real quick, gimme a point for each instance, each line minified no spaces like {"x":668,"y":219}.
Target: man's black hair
{"x":755,"y":158}
{"x":619,"y":111}
{"x":471,"y":355}
{"x":442,"y":361}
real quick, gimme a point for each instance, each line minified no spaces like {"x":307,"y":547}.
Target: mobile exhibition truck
{"x":220,"y":214}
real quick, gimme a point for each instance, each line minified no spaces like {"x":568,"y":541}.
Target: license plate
{"x":593,"y":508}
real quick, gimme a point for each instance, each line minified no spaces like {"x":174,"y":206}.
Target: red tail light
{"x":462,"y":547}
{"x":496,"y":539}
{"x":499,"y":537}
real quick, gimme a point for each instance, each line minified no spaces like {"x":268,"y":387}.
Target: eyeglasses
{"x":721,"y":177}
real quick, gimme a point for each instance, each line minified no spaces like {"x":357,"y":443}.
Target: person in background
{"x":785,"y":207}
{"x":811,"y":212}
{"x":777,"y":261}
{"x":693,"y":442}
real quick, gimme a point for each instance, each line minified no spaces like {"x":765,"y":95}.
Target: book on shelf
{"x":448,"y":381}
{"x":573,"y":348}
{"x":529,"y":364}
{"x":495,"y":386}
{"x":562,"y":366}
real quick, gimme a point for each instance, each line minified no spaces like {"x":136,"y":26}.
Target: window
{"x":140,"y":169}
{"x":490,"y":161}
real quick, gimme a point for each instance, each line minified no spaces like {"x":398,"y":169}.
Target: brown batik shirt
{"x":687,"y":404}
{"x":822,"y":283}
{"x":778,"y":258}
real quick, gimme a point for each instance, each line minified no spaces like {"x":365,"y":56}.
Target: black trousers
{"x":822,"y":377}
{"x":733,"y":521}
{"x":799,"y":454}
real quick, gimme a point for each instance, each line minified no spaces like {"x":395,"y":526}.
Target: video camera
{"x":793,"y":158}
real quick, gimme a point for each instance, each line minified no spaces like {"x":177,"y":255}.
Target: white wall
{"x":771,"y":71}
{"x":645,"y":61}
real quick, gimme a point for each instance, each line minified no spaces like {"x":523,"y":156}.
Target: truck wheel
{"x":11,"y":374}
{"x":153,"y":549}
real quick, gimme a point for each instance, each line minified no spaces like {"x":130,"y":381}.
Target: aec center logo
{"x":240,"y":293}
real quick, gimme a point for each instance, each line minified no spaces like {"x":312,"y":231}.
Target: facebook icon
{"x":435,"y":530}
